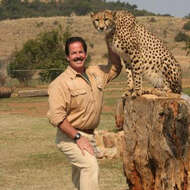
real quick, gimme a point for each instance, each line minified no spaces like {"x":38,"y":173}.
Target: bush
{"x":2,"y":79}
{"x":187,"y":47}
{"x":20,"y":67}
{"x":44,"y":53}
{"x":152,"y":19}
{"x":181,"y":36}
{"x":186,"y":26}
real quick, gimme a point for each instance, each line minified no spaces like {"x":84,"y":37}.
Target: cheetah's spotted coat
{"x":143,"y":53}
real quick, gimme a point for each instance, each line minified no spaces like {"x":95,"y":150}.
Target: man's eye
{"x":105,"y":19}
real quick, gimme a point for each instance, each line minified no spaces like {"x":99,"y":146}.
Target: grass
{"x":29,"y":158}
{"x":186,"y":91}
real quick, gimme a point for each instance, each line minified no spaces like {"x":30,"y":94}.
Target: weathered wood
{"x":119,"y":113}
{"x":33,"y":93}
{"x":5,"y":92}
{"x":157,"y":143}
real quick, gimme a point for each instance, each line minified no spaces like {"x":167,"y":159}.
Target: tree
{"x":44,"y":53}
{"x":186,"y":26}
{"x":20,"y":67}
{"x":181,"y":36}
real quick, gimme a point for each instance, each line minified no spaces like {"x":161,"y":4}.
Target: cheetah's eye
{"x":105,"y":19}
{"x":97,"y":20}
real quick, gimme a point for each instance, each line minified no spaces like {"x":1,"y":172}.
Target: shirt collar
{"x":72,"y":73}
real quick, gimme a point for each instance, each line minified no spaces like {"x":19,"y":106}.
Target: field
{"x":29,"y":158}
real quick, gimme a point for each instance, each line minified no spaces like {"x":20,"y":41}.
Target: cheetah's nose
{"x":101,"y":28}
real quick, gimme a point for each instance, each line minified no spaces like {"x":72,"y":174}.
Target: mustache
{"x":78,"y":59}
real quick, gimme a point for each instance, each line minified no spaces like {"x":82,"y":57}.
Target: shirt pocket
{"x":99,"y":83}
{"x":79,"y":98}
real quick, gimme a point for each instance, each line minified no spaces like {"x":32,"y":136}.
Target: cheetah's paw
{"x":137,"y":93}
{"x":127,"y":92}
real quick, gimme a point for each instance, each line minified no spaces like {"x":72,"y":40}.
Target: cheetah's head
{"x":103,"y":21}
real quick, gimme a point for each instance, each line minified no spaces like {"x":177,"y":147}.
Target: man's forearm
{"x":68,"y":129}
{"x":113,"y":59}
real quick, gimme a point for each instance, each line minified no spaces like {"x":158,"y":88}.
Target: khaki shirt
{"x":73,"y":97}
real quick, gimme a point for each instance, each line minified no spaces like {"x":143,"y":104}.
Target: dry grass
{"x":29,"y":158}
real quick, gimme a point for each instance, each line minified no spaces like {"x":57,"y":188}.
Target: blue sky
{"x":177,"y":8}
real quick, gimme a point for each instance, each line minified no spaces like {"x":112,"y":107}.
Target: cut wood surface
{"x":157,"y":138}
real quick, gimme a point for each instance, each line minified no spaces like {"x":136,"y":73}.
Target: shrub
{"x":152,"y":19}
{"x":45,"y":53}
{"x":187,"y":47}
{"x":39,"y":24}
{"x":20,"y":67}
{"x":2,"y":79}
{"x":186,"y":26}
{"x":181,"y":36}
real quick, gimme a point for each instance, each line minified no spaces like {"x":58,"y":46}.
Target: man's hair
{"x":72,"y":40}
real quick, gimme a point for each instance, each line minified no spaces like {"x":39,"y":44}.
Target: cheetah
{"x":143,"y":54}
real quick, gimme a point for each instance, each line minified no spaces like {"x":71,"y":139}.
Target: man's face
{"x":77,"y":56}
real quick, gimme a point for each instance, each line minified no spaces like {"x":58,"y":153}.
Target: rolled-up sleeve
{"x":114,"y":70}
{"x":58,"y":103}
{"x":110,"y":71}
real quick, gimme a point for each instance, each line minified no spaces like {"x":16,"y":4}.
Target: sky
{"x":177,"y":8}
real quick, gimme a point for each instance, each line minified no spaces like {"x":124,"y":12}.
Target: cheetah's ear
{"x":108,"y":11}
{"x":114,"y":13}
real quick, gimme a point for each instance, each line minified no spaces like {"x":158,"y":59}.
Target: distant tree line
{"x":14,"y":9}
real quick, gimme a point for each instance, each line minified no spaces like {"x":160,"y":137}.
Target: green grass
{"x":186,"y":91}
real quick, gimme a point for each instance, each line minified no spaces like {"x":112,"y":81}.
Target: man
{"x":75,"y":103}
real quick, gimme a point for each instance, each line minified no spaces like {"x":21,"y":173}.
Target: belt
{"x":89,"y":131}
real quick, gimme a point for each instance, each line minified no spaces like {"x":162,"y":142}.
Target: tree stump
{"x":157,"y":143}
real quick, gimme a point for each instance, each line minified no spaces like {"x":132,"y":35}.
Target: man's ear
{"x":67,"y":58}
{"x":92,"y":14}
{"x":86,"y":56}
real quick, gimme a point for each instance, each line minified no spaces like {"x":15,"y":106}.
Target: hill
{"x":14,"y":33}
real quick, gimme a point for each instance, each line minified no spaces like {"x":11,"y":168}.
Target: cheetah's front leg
{"x":129,"y":86}
{"x":137,"y":81}
{"x":137,"y":75}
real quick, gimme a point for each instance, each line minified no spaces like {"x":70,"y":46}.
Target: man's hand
{"x":84,"y":144}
